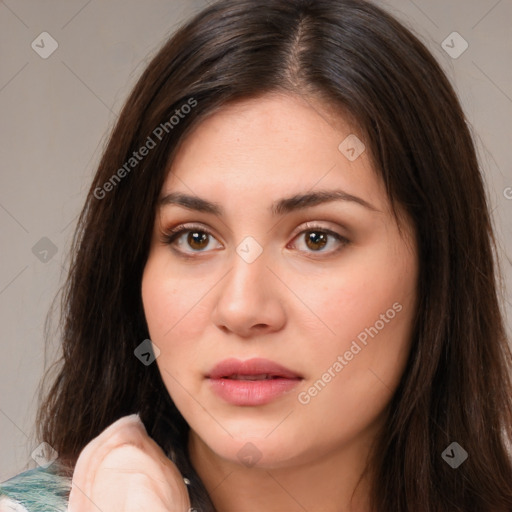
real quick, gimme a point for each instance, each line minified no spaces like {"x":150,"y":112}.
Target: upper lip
{"x":255,"y":366}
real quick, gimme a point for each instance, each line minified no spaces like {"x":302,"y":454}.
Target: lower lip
{"x":252,"y":392}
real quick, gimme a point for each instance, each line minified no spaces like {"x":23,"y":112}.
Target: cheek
{"x":366,"y":318}
{"x":174,"y":310}
{"x":342,"y":303}
{"x":352,"y":378}
{"x":353,"y":384}
{"x":163,"y":298}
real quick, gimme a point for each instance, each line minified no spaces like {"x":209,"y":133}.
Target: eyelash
{"x":169,"y":237}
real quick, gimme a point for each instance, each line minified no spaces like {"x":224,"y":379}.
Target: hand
{"x":124,"y":470}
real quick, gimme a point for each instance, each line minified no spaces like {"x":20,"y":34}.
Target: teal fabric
{"x":38,"y":490}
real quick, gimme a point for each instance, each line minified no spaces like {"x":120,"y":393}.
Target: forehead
{"x":271,"y":145}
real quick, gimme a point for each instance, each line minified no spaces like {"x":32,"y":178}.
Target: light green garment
{"x":35,"y":490}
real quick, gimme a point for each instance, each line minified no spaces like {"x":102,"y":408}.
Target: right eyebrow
{"x":191,"y":203}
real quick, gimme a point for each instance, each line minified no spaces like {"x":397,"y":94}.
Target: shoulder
{"x":37,"y":490}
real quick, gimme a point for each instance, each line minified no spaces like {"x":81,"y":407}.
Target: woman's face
{"x":277,"y":261}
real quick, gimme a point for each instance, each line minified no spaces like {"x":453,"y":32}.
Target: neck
{"x":331,"y":482}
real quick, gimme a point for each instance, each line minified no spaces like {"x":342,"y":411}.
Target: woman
{"x":284,"y":291}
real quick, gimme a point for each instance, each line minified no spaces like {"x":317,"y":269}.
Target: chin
{"x":257,"y":451}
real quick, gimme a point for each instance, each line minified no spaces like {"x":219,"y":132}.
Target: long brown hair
{"x":358,"y":59}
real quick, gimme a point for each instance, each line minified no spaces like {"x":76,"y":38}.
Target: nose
{"x":249,"y":300}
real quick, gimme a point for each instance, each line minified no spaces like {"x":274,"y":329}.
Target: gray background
{"x":56,"y":113}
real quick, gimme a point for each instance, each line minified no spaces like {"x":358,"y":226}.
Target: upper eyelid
{"x":199,"y":227}
{"x":186,"y":227}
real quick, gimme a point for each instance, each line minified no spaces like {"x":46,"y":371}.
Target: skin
{"x":123,"y":457}
{"x":298,"y":304}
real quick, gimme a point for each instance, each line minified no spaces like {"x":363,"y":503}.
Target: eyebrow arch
{"x":279,"y":207}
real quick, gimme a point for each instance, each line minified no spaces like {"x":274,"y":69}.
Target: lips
{"x":252,"y":369}
{"x":251,"y":383}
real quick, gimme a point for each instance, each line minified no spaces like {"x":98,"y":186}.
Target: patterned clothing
{"x":36,"y":490}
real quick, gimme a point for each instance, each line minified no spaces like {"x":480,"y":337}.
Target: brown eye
{"x":316,"y":240}
{"x":197,"y":240}
{"x":190,"y":239}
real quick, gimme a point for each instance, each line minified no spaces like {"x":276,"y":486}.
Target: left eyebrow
{"x":279,"y":207}
{"x":301,"y":201}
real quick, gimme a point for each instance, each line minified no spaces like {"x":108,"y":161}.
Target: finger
{"x":125,"y":430}
{"x":139,"y":481}
{"x":124,"y":455}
